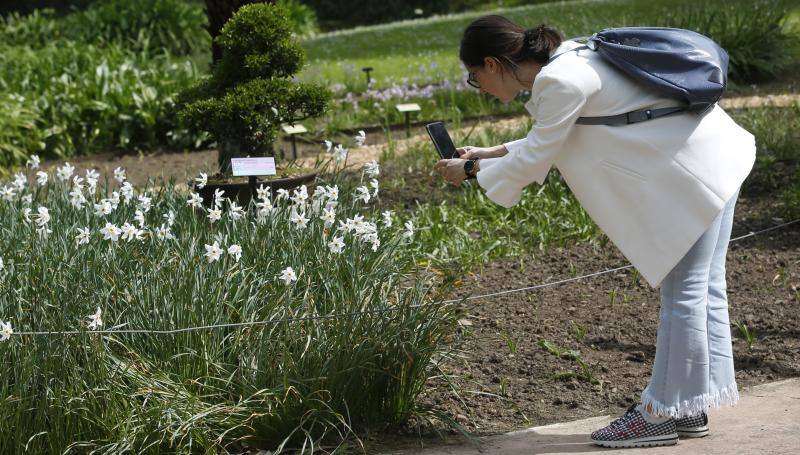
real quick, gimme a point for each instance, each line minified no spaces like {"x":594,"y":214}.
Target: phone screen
{"x":441,"y":140}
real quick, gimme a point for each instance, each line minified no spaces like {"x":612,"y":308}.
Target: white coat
{"x":653,"y":187}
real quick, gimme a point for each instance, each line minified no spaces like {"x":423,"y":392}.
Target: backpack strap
{"x":619,"y":119}
{"x":631,"y":117}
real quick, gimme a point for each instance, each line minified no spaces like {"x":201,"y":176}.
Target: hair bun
{"x":532,"y":35}
{"x":539,"y":42}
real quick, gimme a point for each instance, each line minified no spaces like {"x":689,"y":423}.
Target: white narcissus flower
{"x":235,"y":212}
{"x":328,"y":145}
{"x":264,"y":207}
{"x":1,"y":264}
{"x":83,"y":236}
{"x":102,"y":208}
{"x":372,"y":168}
{"x":129,"y":232}
{"x":360,"y":138}
{"x":27,"y":199}
{"x":33,"y":162}
{"x":76,"y":198}
{"x":144,"y":203}
{"x":119,"y":175}
{"x":339,"y":153}
{"x":328,"y":216}
{"x":43,"y":218}
{"x":299,"y":220}
{"x":374,"y":184}
{"x":91,"y":174}
{"x":387,"y":219}
{"x":65,"y":172}
{"x":170,"y":217}
{"x":282,"y":194}
{"x":110,"y":232}
{"x":235,"y":251}
{"x":7,"y":193}
{"x":288,"y":276}
{"x":262,"y":192}
{"x":195,"y":200}
{"x":139,"y":218}
{"x":26,"y":214}
{"x":77,"y":182}
{"x":362,"y":192}
{"x":409,"y":232}
{"x":214,"y":215}
{"x":163,"y":233}
{"x":213,"y":252}
{"x":5,"y":331}
{"x":92,"y":189}
{"x":19,"y":181}
{"x":201,"y":181}
{"x":219,"y":197}
{"x":300,"y":195}
{"x":95,"y":320}
{"x":336,"y":245}
{"x":41,"y":178}
{"x":114,"y":199}
{"x":127,"y":191}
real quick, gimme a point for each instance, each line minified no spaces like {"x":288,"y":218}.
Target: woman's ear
{"x":490,"y":63}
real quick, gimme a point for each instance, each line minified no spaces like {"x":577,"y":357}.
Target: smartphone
{"x":441,"y":140}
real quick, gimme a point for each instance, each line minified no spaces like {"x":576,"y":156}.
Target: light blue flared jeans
{"x":693,"y":370}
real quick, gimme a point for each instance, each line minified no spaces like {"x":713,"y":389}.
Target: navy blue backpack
{"x":681,"y":64}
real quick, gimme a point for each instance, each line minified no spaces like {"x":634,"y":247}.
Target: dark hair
{"x":499,"y":37}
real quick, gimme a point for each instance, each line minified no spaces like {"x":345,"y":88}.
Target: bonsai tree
{"x":218,"y":13}
{"x":251,"y":91}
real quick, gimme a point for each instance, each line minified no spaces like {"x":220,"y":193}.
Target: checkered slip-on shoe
{"x":631,"y":430}
{"x":692,"y":427}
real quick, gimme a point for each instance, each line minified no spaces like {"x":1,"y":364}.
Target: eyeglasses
{"x":472,"y":81}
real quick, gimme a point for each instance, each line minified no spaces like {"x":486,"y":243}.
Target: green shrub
{"x":755,"y":35}
{"x":250,"y":93}
{"x":304,"y":19}
{"x":348,"y":13}
{"x":20,"y":134}
{"x":73,"y":98}
{"x":8,"y":7}
{"x":172,"y":26}
{"x":777,"y":132}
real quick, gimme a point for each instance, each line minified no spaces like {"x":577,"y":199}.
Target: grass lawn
{"x":401,"y":49}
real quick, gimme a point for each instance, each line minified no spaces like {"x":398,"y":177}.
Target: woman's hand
{"x":470,"y":153}
{"x":452,"y":170}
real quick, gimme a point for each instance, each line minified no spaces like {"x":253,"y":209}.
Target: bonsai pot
{"x":239,"y":189}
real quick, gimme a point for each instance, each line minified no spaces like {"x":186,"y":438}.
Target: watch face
{"x":469,"y":165}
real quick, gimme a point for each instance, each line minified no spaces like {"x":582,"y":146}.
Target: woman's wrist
{"x":496,"y":151}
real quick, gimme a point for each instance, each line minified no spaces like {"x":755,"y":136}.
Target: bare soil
{"x":508,"y":380}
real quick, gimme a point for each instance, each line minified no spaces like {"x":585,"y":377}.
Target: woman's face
{"x":493,"y":79}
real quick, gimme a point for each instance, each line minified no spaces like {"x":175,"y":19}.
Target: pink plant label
{"x":253,"y":166}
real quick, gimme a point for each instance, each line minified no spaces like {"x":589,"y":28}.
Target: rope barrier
{"x":358,"y":313}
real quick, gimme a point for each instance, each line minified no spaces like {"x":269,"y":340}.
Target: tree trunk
{"x":218,"y":12}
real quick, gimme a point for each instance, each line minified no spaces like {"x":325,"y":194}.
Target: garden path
{"x":766,"y":420}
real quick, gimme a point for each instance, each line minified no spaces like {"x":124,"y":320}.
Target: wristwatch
{"x":469,"y":168}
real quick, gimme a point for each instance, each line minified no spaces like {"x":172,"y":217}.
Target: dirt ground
{"x":510,"y":381}
{"x":184,"y":165}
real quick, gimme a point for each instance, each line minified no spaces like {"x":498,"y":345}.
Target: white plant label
{"x":253,"y":166}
